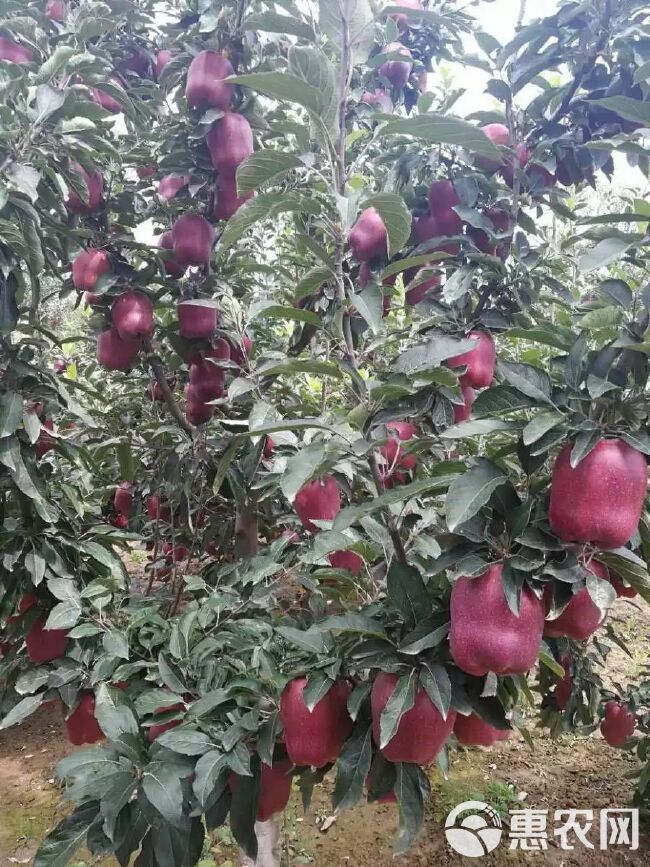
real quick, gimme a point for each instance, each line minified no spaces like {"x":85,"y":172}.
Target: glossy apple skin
{"x":442,"y":199}
{"x":113,"y":353}
{"x":107,"y":102}
{"x":12,"y":52}
{"x":275,"y":789}
{"x":95,"y":186}
{"x":421,"y":732}
{"x":123,"y":498}
{"x":426,"y":228}
{"x":240,"y":352}
{"x":368,"y":237}
{"x":480,"y":362}
{"x":499,"y":134}
{"x":196,"y":321}
{"x":230,"y":142}
{"x":171,"y":185}
{"x":172,"y":268}
{"x":623,"y":590}
{"x":618,"y":725}
{"x":485,"y":635}
{"x":162,"y":59}
{"x":156,"y":510}
{"x":120,"y":522}
{"x":564,"y":684}
{"x":192,"y":238}
{"x":227,"y":200}
{"x":501,"y":224}
{"x":473,"y":731}
{"x":397,"y":72}
{"x":319,"y":500}
{"x":521,"y":159}
{"x":581,"y":617}
{"x":205,"y":86}
{"x":464,"y":412}
{"x":207,"y":379}
{"x":45,"y":443}
{"x":315,"y":739}
{"x":56,"y":10}
{"x":88,"y":267}
{"x":601,"y":499}
{"x":81,"y":726}
{"x":399,"y":431}
{"x":132,"y":315}
{"x":379,"y":99}
{"x":346,"y":560}
{"x":45,"y":645}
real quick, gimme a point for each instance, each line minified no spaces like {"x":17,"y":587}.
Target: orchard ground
{"x":579,"y":772}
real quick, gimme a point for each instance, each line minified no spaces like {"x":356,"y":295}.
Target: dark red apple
{"x":120,"y":522}
{"x":402,"y":20}
{"x":378,"y":98}
{"x":94,"y":184}
{"x":144,"y":172}
{"x":426,"y":228}
{"x":581,"y":617}
{"x":499,"y":135}
{"x":623,"y":590}
{"x":618,"y":725}
{"x":192,"y":238}
{"x":12,"y":52}
{"x":368,"y":237}
{"x":397,"y":72}
{"x":205,"y":86}
{"x":319,"y":500}
{"x":81,"y":726}
{"x":422,"y":289}
{"x":501,"y":223}
{"x":230,"y":142}
{"x":269,"y":446}
{"x":346,"y":560}
{"x":464,"y":412}
{"x":480,"y":362}
{"x":315,"y":738}
{"x":399,"y":431}
{"x":155,"y":731}
{"x":485,"y":635}
{"x":162,"y":59}
{"x":107,"y":102}
{"x":136,"y":60}
{"x":113,"y":353}
{"x":442,"y":200}
{"x":240,"y":352}
{"x":473,"y":731}
{"x":227,"y":201}
{"x":275,"y":789}
{"x":166,"y":242}
{"x":601,"y":499}
{"x":196,"y":320}
{"x":88,"y":267}
{"x":45,"y":645}
{"x":176,"y":553}
{"x":521,"y":159}
{"x":45,"y":443}
{"x":123,"y":498}
{"x":207,"y":379}
{"x":157,"y":510}
{"x":132,"y":315}
{"x":539,"y":177}
{"x":60,"y":365}
{"x":171,"y":185}
{"x":56,"y":10}
{"x":421,"y":732}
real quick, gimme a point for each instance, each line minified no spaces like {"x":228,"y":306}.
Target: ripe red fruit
{"x":402,"y":20}
{"x":45,"y":442}
{"x":581,"y":617}
{"x":88,"y":267}
{"x":145,"y":172}
{"x":485,"y":635}
{"x":171,"y":185}
{"x":492,"y":247}
{"x":230,"y":142}
{"x":564,"y":685}
{"x":442,"y":199}
{"x":107,"y":102}
{"x":422,"y":289}
{"x":426,"y":228}
{"x":56,"y":10}
{"x":137,"y":60}
{"x":156,"y":730}
{"x":618,"y":724}
{"x":94,"y":184}
{"x":275,"y":789}
{"x":27,"y":601}
{"x":473,"y":731}
{"x":521,"y":158}
{"x":379,"y":99}
{"x":227,"y":201}
{"x":397,"y":72}
{"x":205,"y":86}
{"x":192,"y":238}
{"x":60,"y":365}
{"x":196,"y":320}
{"x":269,"y":445}
{"x":240,"y":352}
{"x":319,"y":500}
{"x":44,"y":645}
{"x":81,"y":726}
{"x":120,"y":522}
{"x":113,"y":353}
{"x":622,"y":589}
{"x":498,"y":135}
{"x":539,"y":177}
{"x":132,"y":315}
{"x":176,"y":553}
{"x":315,"y":738}
{"x":480,"y":361}
{"x":156,"y":510}
{"x":421,"y":732}
{"x":123,"y":498}
{"x":399,"y":431}
{"x":162,"y":59}
{"x":600,"y":500}
{"x":166,"y":242}
{"x":368,"y":236}
{"x":464,"y":412}
{"x":346,"y":560}
{"x":12,"y":52}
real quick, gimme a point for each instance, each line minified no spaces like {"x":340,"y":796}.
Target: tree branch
{"x":393,"y":530}
{"x":161,"y":378}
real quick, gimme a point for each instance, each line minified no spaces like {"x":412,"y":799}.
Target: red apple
{"x":136,"y":60}
{"x":581,"y":617}
{"x":123,"y":498}
{"x":94,"y":184}
{"x":12,"y":52}
{"x":346,"y":560}
{"x":539,"y":177}
{"x":132,"y":315}
{"x":421,"y":732}
{"x":107,"y":102}
{"x":81,"y":726}
{"x":521,"y":158}
{"x":227,"y":201}
{"x":155,"y":731}
{"x":145,"y":172}
{"x":275,"y":789}
{"x":399,"y":431}
{"x":113,"y":353}
{"x":479,"y":362}
{"x":162,"y":59}
{"x":88,"y":267}
{"x":45,"y":442}
{"x":230,"y":142}
{"x":166,"y":242}
{"x":60,"y":365}
{"x":426,"y":228}
{"x":618,"y":725}
{"x":205,"y":86}
{"x":473,"y":731}
{"x":314,"y":738}
{"x":402,"y":20}
{"x":422,"y":289}
{"x":269,"y":446}
{"x":464,"y":412}
{"x":157,"y":510}
{"x":601,"y":499}
{"x":196,"y":320}
{"x":171,"y":185}
{"x":442,"y":200}
{"x":45,"y":645}
{"x":240,"y":352}
{"x":56,"y":10}
{"x":622,"y":589}
{"x":120,"y":522}
{"x":207,"y":379}
{"x":192,"y":238}
{"x":397,"y":72}
{"x":485,"y":635}
{"x":319,"y":500}
{"x":501,"y":223}
{"x":499,"y":134}
{"x":378,"y":98}
{"x":368,"y":237}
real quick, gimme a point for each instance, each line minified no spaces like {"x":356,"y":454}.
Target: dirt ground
{"x":583,"y":773}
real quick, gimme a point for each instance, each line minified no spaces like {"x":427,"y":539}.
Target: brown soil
{"x":583,"y":773}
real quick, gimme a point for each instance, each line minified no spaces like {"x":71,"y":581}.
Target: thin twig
{"x":161,"y":378}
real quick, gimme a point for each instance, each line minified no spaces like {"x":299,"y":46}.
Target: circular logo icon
{"x":477,"y":833}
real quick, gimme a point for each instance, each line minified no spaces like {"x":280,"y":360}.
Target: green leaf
{"x":529,"y":380}
{"x":186,"y":741}
{"x":396,"y":217}
{"x":26,"y":178}
{"x":604,"y":253}
{"x":263,"y":167}
{"x":211,"y":776}
{"x":625,"y":107}
{"x":355,"y":19}
{"x":294,"y":314}
{"x":468,"y":493}
{"x":274,"y":22}
{"x":11,"y":412}
{"x":401,"y":701}
{"x":408,"y":791}
{"x":352,"y":768}
{"x":259,"y":208}
{"x":540,"y":425}
{"x":283,"y":86}
{"x":48,"y":101}
{"x":163,"y":788}
{"x":443,"y":129}
{"x":406,"y":592}
{"x":435,"y":680}
{"x":21,"y":711}
{"x":638,"y":439}
{"x":55,"y":63}
{"x":61,"y":844}
{"x":64,"y":615}
{"x":116,"y":644}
